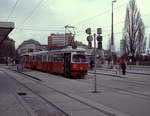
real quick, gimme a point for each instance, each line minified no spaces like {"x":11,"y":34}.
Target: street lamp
{"x":89,"y":39}
{"x":112,"y":35}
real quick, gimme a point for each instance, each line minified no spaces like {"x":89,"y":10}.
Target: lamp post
{"x":112,"y":35}
{"x":89,"y":39}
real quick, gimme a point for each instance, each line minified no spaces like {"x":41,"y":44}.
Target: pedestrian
{"x":6,"y":62}
{"x":91,"y":64}
{"x":118,"y":67}
{"x":123,"y":67}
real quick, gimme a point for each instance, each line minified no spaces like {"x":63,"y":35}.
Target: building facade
{"x":59,"y":40}
{"x":29,"y":46}
{"x":7,"y":50}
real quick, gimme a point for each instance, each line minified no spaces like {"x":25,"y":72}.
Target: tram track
{"x":123,"y":81}
{"x":38,"y":81}
{"x":35,"y":93}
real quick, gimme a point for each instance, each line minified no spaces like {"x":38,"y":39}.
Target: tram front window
{"x":79,"y":58}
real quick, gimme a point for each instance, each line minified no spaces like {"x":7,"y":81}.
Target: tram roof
{"x":68,"y":50}
{"x":38,"y":53}
{"x":65,"y":50}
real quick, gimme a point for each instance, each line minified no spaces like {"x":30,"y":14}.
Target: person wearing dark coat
{"x":91,"y":64}
{"x":123,"y":67}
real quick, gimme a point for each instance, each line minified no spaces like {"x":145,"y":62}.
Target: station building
{"x":7,"y":45}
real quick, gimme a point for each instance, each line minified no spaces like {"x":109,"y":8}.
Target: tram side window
{"x":62,"y":57}
{"x":44,"y":58}
{"x":59,"y":57}
{"x":30,"y":58}
{"x":76,"y":58}
{"x":49,"y":58}
{"x":52,"y":58}
{"x":27,"y":58}
{"x":39,"y":58}
{"x":79,"y":58}
{"x":83,"y":58}
{"x":34,"y":58}
{"x":56,"y":58}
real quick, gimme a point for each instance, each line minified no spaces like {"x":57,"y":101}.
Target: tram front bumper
{"x":78,"y":72}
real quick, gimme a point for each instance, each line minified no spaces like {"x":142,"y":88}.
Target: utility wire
{"x":100,"y":14}
{"x":110,"y":33}
{"x":90,"y":18}
{"x":34,"y":9}
{"x":13,"y":8}
{"x":106,"y":12}
{"x":36,"y":29}
{"x":124,"y":21}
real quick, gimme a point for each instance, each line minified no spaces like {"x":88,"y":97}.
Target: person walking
{"x":91,"y":64}
{"x":118,"y":68}
{"x":123,"y":67}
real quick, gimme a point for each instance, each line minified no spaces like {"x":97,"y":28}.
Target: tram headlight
{"x":81,"y":68}
{"x":74,"y":66}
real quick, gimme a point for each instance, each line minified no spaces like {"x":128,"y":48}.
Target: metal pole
{"x":65,"y":36}
{"x":112,"y":37}
{"x":95,"y":88}
{"x":112,"y":33}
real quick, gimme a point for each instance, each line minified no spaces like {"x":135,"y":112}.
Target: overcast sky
{"x":39,"y":18}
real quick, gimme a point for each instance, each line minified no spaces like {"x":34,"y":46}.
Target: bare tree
{"x":134,"y":30}
{"x":148,"y":47}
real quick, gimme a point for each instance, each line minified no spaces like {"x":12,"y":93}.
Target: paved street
{"x":119,"y":95}
{"x":9,"y":103}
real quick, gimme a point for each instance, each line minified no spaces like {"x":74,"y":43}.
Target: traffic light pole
{"x":99,"y":39}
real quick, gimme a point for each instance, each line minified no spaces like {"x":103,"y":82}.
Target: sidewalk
{"x":128,"y":72}
{"x":133,"y":69}
{"x":10,"y":104}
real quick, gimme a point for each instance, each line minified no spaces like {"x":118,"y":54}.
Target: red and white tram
{"x":67,"y":61}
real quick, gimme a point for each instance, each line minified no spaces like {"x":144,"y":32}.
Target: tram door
{"x":67,"y":62}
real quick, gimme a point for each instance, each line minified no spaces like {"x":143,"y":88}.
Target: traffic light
{"x":99,"y":38}
{"x":88,"y":31}
{"x":100,"y":45}
{"x":99,"y":30}
{"x":89,"y":38}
